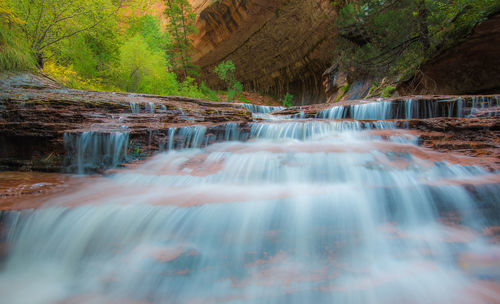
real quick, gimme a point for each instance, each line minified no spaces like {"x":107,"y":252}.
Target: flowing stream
{"x":298,"y":212}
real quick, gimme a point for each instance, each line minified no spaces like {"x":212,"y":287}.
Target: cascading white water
{"x":415,"y":108}
{"x":191,"y":137}
{"x":150,"y":107}
{"x":332,"y":113}
{"x":260,"y":109}
{"x":304,"y":212}
{"x":92,"y":150}
{"x":379,"y":110}
{"x":135,"y":107}
{"x":311,"y":129}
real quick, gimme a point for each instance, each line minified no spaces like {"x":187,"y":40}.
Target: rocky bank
{"x":43,"y":123}
{"x":36,"y":113}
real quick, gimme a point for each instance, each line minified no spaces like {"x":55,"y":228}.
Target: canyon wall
{"x":470,"y":67}
{"x":277,"y":46}
{"x":281,"y":46}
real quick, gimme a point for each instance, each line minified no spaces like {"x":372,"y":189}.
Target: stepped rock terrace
{"x":203,"y":202}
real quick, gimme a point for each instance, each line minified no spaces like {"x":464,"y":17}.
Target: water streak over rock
{"x":311,"y":211}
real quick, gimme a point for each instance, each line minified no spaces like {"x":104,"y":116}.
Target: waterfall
{"x":135,"y":107}
{"x":232,"y":132}
{"x":260,"y":109}
{"x":189,"y":137}
{"x":379,"y":110}
{"x":150,"y":107}
{"x":88,"y":151}
{"x":310,"y":129}
{"x":332,"y":113}
{"x":415,"y":108}
{"x":279,"y":212}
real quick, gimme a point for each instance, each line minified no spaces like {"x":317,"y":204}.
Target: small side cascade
{"x":261,"y":109}
{"x":409,"y":109}
{"x":150,"y":107}
{"x":171,"y":133}
{"x":312,"y":129}
{"x":187,"y":137}
{"x":301,"y":115}
{"x":135,"y":107}
{"x":482,"y":106}
{"x":379,"y":110}
{"x":338,"y":112}
{"x":201,"y":136}
{"x":90,"y":151}
{"x":232,"y":132}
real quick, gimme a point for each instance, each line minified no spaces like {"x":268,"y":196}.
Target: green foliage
{"x":181,"y":19}
{"x":100,"y":45}
{"x":394,"y":37}
{"x":189,"y":88}
{"x":14,"y":53}
{"x":144,"y":70}
{"x":235,"y":91}
{"x":92,"y":55}
{"x":287,"y":100}
{"x":388,"y":91}
{"x":226,"y":72}
{"x":149,"y":27}
{"x":373,"y":89}
{"x":49,"y":22}
{"x":208,"y":93}
{"x":70,"y":78}
{"x":342,"y":91}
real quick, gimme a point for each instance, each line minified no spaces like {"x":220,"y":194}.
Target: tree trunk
{"x":40,"y":60}
{"x":423,"y":13}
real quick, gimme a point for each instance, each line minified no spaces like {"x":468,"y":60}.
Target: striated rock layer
{"x":37,"y":115}
{"x":277,"y":46}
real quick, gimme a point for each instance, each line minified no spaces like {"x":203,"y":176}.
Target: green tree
{"x":149,"y":27}
{"x":144,"y":70}
{"x":48,"y":22}
{"x":14,"y":53}
{"x":226,"y":72}
{"x":380,"y":37}
{"x":92,"y":54}
{"x":287,"y":100}
{"x":181,"y":19}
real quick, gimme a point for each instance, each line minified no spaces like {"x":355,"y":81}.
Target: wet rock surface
{"x":43,"y":127}
{"x":35,"y":113}
{"x":475,"y":134}
{"x":476,"y":137}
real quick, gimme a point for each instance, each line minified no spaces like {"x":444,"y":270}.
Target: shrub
{"x":15,"y":54}
{"x":287,"y":100}
{"x":225,"y":71}
{"x":388,"y":91}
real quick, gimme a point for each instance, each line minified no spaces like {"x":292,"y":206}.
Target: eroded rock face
{"x":470,"y":67}
{"x":277,"y":46}
{"x":35,"y":113}
{"x":477,"y":137}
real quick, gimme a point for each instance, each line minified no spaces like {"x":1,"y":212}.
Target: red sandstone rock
{"x":35,"y":112}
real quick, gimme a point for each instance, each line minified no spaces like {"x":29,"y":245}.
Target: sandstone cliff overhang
{"x":278,"y":46}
